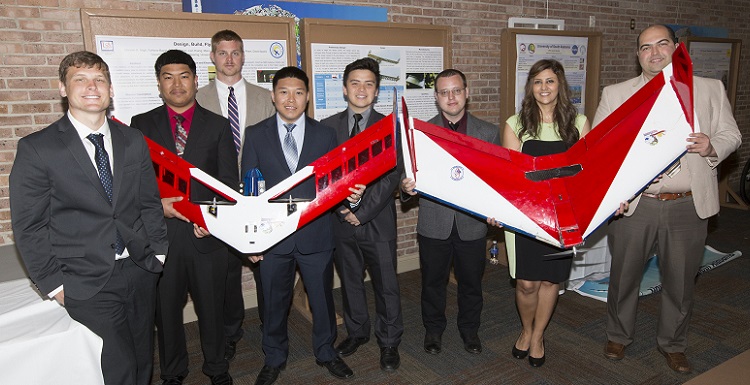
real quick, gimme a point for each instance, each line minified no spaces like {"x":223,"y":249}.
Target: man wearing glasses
{"x":448,"y":237}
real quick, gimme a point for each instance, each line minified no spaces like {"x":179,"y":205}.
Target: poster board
{"x":130,"y":42}
{"x":416,"y":52}
{"x":719,"y":58}
{"x":578,"y":51}
{"x":716,"y":58}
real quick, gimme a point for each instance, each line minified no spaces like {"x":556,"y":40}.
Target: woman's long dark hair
{"x":565,"y":112}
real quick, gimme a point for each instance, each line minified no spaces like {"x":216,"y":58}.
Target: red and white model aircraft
{"x":253,"y":224}
{"x":559,"y":199}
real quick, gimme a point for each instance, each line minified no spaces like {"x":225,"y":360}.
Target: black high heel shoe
{"x":518,"y":353}
{"x":536,"y":362}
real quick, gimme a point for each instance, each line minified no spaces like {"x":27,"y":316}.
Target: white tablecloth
{"x":595,"y":261}
{"x":41,"y":344}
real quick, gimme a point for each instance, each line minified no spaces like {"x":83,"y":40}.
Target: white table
{"x":41,"y":344}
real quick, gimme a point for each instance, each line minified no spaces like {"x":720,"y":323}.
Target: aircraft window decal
{"x":377,"y":148}
{"x":363,"y":156}
{"x":168,"y":177}
{"x":336,"y":174}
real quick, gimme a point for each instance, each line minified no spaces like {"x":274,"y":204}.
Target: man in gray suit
{"x":447,"y":236}
{"x":365,"y":234}
{"x":251,"y":104}
{"x":88,"y":220}
{"x":671,"y":214}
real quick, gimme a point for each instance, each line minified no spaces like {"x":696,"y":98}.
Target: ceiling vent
{"x":531,"y":23}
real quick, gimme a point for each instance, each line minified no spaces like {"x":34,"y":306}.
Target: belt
{"x":668,"y":196}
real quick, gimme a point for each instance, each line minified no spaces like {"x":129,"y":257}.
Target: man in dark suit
{"x":279,"y":146}
{"x":88,"y":222}
{"x":197,"y":262}
{"x":244,"y":104}
{"x":447,"y":236}
{"x":365,"y":235}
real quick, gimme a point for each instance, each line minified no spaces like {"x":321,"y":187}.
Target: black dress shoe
{"x":432,"y":343}
{"x":230,"y":350}
{"x":518,"y":353}
{"x":472,"y":343}
{"x":337,"y":367}
{"x":222,"y":379}
{"x":390,"y":360}
{"x":268,"y":375}
{"x":173,"y":381}
{"x":350,"y":345}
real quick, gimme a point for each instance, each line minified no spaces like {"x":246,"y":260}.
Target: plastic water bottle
{"x":493,"y":253}
{"x":254,"y":183}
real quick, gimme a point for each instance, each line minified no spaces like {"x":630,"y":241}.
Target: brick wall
{"x":36,"y":34}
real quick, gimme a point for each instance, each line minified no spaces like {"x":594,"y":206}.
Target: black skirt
{"x":532,"y":260}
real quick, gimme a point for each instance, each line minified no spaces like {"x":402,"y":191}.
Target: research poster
{"x":131,"y":64}
{"x":408,"y":71}
{"x":712,"y":60}
{"x":571,"y":51}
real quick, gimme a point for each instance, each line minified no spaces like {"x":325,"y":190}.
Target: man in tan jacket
{"x":671,"y":214}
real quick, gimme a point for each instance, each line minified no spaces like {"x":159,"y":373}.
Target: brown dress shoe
{"x":614,"y":351}
{"x":676,"y":361}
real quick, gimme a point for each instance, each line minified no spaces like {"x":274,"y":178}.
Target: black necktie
{"x":105,"y":176}
{"x":453,"y":126}
{"x":355,"y":127}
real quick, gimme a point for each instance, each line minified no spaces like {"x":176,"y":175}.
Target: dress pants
{"x":234,"y":305}
{"x":278,"y":271}
{"x":204,"y":276}
{"x":354,"y":255}
{"x":468,"y":259}
{"x":122,"y":314}
{"x":680,"y":236}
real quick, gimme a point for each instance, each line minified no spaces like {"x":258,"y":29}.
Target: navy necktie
{"x":105,"y":176}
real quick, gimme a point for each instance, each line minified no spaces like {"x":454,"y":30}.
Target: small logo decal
{"x":652,"y":137}
{"x":457,"y":173}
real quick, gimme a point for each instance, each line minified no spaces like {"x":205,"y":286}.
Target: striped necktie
{"x":234,"y":119}
{"x":290,"y":148}
{"x":181,"y":135}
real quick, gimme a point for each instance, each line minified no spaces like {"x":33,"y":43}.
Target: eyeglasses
{"x":454,"y":92}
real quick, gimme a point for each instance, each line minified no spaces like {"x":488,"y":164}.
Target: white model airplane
{"x":559,"y":199}
{"x":253,"y":224}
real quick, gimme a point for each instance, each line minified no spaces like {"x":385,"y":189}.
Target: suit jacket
{"x":263,"y":150}
{"x":257,"y":100}
{"x":209,"y":146}
{"x":377,"y":210}
{"x":436,"y":219}
{"x":63,"y":222}
{"x":714,"y":115}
